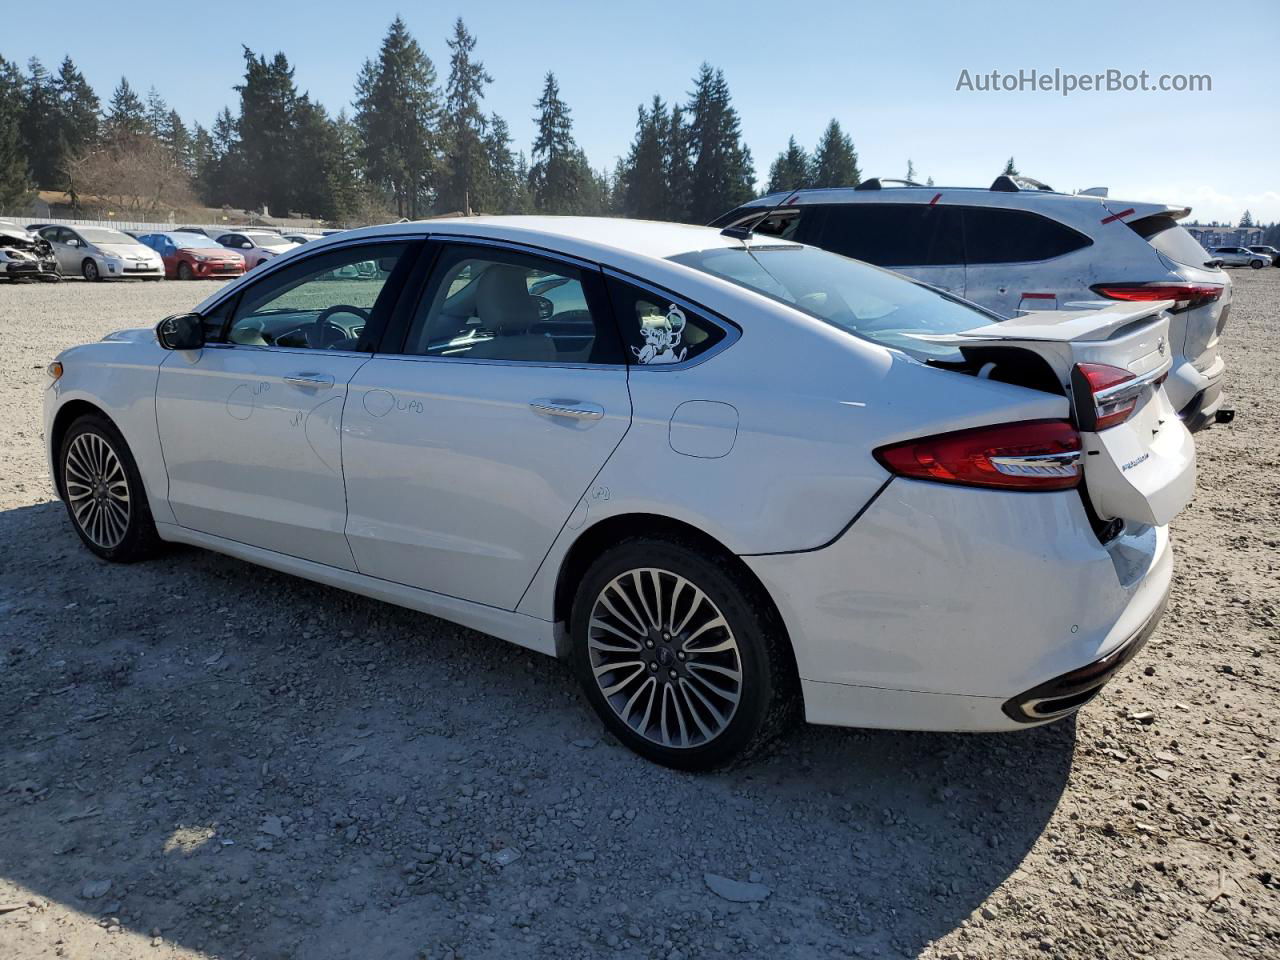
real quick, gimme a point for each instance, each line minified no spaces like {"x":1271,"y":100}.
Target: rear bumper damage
{"x":941,"y":604}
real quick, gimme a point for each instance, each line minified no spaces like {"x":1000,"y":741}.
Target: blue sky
{"x":887,"y":71}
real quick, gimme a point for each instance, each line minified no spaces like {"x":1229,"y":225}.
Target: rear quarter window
{"x":993,"y":235}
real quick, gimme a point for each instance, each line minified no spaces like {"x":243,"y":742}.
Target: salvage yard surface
{"x":203,"y":758}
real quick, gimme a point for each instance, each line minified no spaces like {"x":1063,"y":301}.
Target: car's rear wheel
{"x":679,"y":656}
{"x":89,"y":270}
{"x":184,"y":271}
{"x":103,"y":491}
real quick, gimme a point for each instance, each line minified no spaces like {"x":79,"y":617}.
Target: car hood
{"x":214,"y":251}
{"x":136,"y":335}
{"x":127,"y":249}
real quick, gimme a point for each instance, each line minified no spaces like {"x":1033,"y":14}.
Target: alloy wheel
{"x":97,"y":490}
{"x":665,"y":658}
{"x":89,"y":270}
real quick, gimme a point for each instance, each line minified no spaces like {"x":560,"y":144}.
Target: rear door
{"x":1139,"y":467}
{"x":471,"y":436}
{"x":921,"y":240}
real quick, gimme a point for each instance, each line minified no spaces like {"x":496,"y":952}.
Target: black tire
{"x":185,"y":272}
{"x":89,"y":270}
{"x":1255,"y":264}
{"x":139,"y":540}
{"x":767,"y":694}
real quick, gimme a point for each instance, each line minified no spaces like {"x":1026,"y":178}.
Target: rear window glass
{"x":1163,"y":233}
{"x":894,"y":234}
{"x":994,"y":235}
{"x":862,"y":300}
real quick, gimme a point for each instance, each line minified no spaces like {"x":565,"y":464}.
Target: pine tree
{"x":397,"y":114}
{"x":723,"y":174}
{"x":835,"y":163}
{"x":15,"y":180}
{"x":157,"y":113}
{"x":126,"y":116}
{"x":509,"y":192}
{"x":642,"y":177}
{"x":40,"y":126}
{"x":679,"y":162}
{"x":349,"y":191}
{"x":557,"y":179}
{"x":267,"y":102}
{"x":1246,"y":219}
{"x":791,"y":171}
{"x":317,"y":161}
{"x":219,"y":178}
{"x":78,"y":109}
{"x":468,"y":182}
{"x":178,"y":140}
{"x":1010,"y":170}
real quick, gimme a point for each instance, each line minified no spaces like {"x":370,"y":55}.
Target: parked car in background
{"x":193,"y":256}
{"x":301,"y":238}
{"x":1267,"y":251}
{"x":757,"y":475}
{"x":1019,"y":246}
{"x":1240,"y":257}
{"x":100,"y":253}
{"x":25,"y":255}
{"x":256,"y":246}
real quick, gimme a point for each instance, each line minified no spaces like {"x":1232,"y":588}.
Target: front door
{"x":467,"y":448}
{"x":250,"y":425}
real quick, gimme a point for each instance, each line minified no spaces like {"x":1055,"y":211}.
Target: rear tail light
{"x":1032,"y":455}
{"x":1101,"y":397}
{"x":1184,"y":295}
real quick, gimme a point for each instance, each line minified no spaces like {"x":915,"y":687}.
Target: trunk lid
{"x":1142,"y":469}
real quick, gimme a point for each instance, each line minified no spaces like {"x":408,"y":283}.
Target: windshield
{"x":102,"y":235}
{"x":863,"y":300}
{"x":192,"y":241}
{"x":267,"y":240}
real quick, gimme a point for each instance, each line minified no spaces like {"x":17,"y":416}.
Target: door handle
{"x":312,"y":381}
{"x":575,"y":409}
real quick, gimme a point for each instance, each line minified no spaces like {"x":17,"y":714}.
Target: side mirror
{"x":184,"y":331}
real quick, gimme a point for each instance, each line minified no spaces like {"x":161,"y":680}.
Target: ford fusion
{"x":726,"y":477}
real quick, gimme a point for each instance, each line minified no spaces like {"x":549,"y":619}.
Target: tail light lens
{"x":1032,"y":455}
{"x":1101,"y":400}
{"x":1184,"y":295}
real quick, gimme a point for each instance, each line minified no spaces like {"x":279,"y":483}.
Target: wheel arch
{"x":67,"y":414}
{"x":599,"y":537}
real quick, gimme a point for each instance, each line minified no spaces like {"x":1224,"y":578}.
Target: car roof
{"x":592,"y":238}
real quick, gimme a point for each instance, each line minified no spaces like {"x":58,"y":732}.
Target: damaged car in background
{"x":24,"y":255}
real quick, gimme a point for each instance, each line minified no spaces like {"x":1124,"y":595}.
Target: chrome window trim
{"x":481,"y":361}
{"x":732,"y":332}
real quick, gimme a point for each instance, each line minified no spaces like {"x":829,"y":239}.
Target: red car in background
{"x":193,"y":256}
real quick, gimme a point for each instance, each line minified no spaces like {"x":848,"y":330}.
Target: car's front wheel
{"x":1255,"y":264}
{"x":184,"y":271}
{"x":679,"y":655}
{"x":102,"y":489}
{"x":89,"y":270}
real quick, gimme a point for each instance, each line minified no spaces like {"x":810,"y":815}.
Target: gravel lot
{"x":203,"y":758}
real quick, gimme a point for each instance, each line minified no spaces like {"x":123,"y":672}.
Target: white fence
{"x":143,"y":226}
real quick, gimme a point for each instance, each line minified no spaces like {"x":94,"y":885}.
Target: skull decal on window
{"x":661,"y":337}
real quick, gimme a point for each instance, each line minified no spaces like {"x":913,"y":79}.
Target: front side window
{"x":489,"y":304}
{"x":993,"y":235}
{"x":658,"y":331}
{"x":894,"y":234}
{"x":862,"y":300}
{"x":319,"y":303}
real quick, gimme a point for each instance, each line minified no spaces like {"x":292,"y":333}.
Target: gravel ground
{"x":203,"y":758}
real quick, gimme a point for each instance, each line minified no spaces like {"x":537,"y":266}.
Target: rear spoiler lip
{"x":1055,"y":326}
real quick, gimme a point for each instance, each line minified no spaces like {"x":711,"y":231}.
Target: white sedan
{"x":722,"y":475}
{"x":100,"y":253}
{"x":256,"y":246}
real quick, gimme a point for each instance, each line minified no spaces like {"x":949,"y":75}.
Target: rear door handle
{"x":311,"y":381}
{"x":574,"y":409}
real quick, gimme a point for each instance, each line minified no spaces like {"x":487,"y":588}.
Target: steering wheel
{"x":316,"y":336}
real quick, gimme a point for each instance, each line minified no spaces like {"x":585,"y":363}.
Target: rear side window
{"x":994,"y":235}
{"x":893,"y":234}
{"x":656,"y":329}
{"x":800,"y":224}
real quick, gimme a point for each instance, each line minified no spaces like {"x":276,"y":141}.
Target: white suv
{"x":1018,"y":246}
